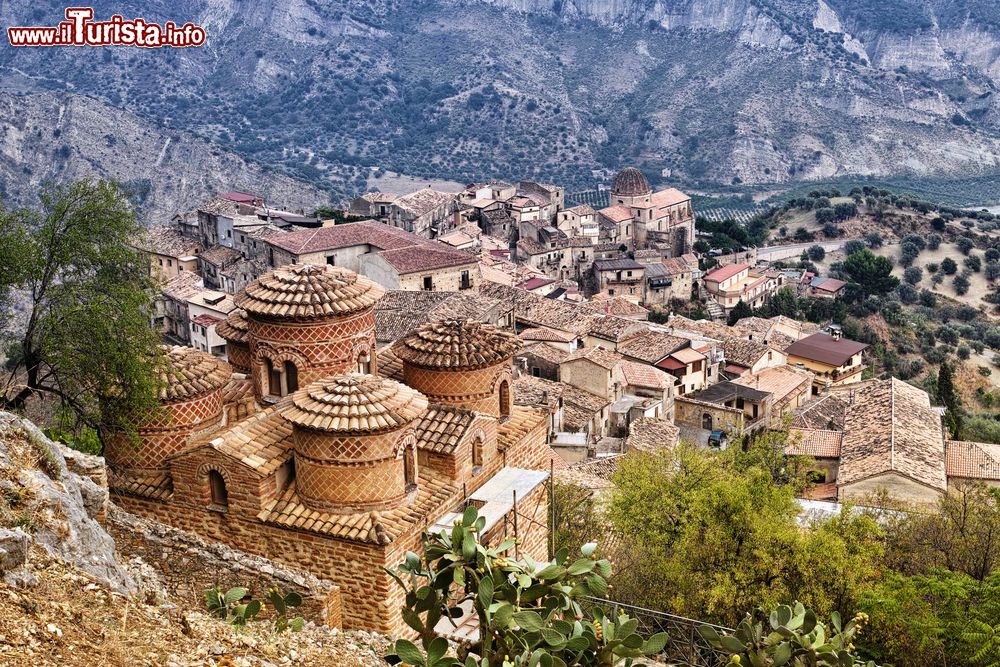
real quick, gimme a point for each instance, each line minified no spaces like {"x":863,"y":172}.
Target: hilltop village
{"x":337,"y":385}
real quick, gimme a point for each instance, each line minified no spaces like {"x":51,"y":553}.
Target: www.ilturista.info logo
{"x":79,"y":29}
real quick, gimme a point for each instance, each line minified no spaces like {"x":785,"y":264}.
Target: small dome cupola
{"x":461,"y":362}
{"x":234,"y":329}
{"x":355,"y":443}
{"x":630,"y":182}
{"x":191,"y":396}
{"x":306,"y":322}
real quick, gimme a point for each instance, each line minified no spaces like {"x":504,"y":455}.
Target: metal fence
{"x":685,"y":645}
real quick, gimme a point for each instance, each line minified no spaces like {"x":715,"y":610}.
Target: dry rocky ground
{"x":66,"y":598}
{"x":69,"y":619}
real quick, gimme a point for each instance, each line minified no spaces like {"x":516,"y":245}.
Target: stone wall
{"x":189,"y":565}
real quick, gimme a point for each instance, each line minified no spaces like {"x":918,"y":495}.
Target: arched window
{"x":273,"y":378}
{"x":291,"y":378}
{"x":477,"y":455}
{"x":505,"y":399}
{"x":410,"y":468}
{"x":364,"y":363}
{"x":706,"y":421}
{"x":217,"y":486}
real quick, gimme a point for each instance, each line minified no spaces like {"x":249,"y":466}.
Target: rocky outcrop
{"x":45,"y":501}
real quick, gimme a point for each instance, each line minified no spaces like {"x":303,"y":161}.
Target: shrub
{"x":961,"y":284}
{"x":913,"y":275}
{"x":973,"y":263}
{"x":816,"y":253}
{"x":948,"y":266}
{"x":965,"y":245}
{"x":526,"y":611}
{"x":873,"y":239}
{"x":933,"y":241}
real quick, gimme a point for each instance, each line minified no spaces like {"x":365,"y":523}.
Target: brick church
{"x":304,"y":449}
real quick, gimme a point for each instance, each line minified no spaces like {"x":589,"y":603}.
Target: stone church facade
{"x":301,"y":451}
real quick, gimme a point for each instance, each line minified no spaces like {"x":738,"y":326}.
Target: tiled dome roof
{"x":630,"y":182}
{"x":457,"y":344}
{"x":306,"y":291}
{"x":355,"y":403}
{"x":234,"y":327}
{"x":189,"y":373}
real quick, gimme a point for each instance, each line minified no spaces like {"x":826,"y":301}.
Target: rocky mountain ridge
{"x":64,"y":137}
{"x":694,"y":91}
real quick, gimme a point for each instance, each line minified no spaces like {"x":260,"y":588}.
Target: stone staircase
{"x":715,"y":310}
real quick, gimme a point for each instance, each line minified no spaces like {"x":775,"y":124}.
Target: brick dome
{"x":355,"y":443}
{"x":190,"y":373}
{"x":457,"y":344}
{"x":355,"y":403}
{"x":630,"y":182}
{"x":308,"y":291}
{"x":234,"y":327}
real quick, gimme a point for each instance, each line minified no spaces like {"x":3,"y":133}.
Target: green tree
{"x":84,"y":338}
{"x":965,"y":245}
{"x":739,"y":311}
{"x":948,"y":266}
{"x":816,"y":253}
{"x":913,"y":274}
{"x":872,"y":273}
{"x":947,"y":395}
{"x":961,"y":284}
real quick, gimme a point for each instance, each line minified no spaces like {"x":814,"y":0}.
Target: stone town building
{"x":428,"y":213}
{"x":620,"y":277}
{"x":885,"y":436}
{"x":170,"y":252}
{"x":729,"y":285}
{"x":394,"y":258}
{"x":644,"y":218}
{"x":835,"y":360}
{"x":311,"y":457}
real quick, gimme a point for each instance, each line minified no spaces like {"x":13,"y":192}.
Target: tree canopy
{"x":80,"y":297}
{"x":873,"y":274}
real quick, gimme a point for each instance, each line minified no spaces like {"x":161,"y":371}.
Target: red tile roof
{"x":206,"y":320}
{"x":365,"y":232}
{"x":426,"y":258}
{"x":722,"y":273}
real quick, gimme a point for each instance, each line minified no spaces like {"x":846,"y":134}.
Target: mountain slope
{"x":49,"y":136}
{"x":699,"y":90}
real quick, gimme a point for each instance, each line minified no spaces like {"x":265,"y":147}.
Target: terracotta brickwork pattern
{"x":477,"y":390}
{"x":168,"y":434}
{"x":319,"y":349}
{"x":239,"y":356}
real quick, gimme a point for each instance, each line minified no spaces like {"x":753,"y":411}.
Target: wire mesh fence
{"x":685,"y":645}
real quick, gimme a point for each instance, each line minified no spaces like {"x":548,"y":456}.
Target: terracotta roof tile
{"x":145,"y":484}
{"x":604,"y":358}
{"x":457,"y":344}
{"x":305,"y":291}
{"x":972,"y":460}
{"x":779,"y":381}
{"x":188,"y":372}
{"x":547,"y":352}
{"x":825,"y":412}
{"x":355,"y":403}
{"x":221,"y":256}
{"x":262,"y":442}
{"x":167,"y":240}
{"x":427,"y":257}
{"x":389,"y":364}
{"x":442,"y":428}
{"x":644,"y":375}
{"x":890,"y":427}
{"x":365,"y":232}
{"x":814,"y":442}
{"x":651,"y":346}
{"x":367,"y":527}
{"x":647,"y":434}
{"x":234,"y":327}
{"x":522,"y":421}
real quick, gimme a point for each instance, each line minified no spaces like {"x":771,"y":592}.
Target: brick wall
{"x":189,"y":565}
{"x":477,"y":389}
{"x":168,"y":434}
{"x":238,"y":355}
{"x":318,"y":348}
